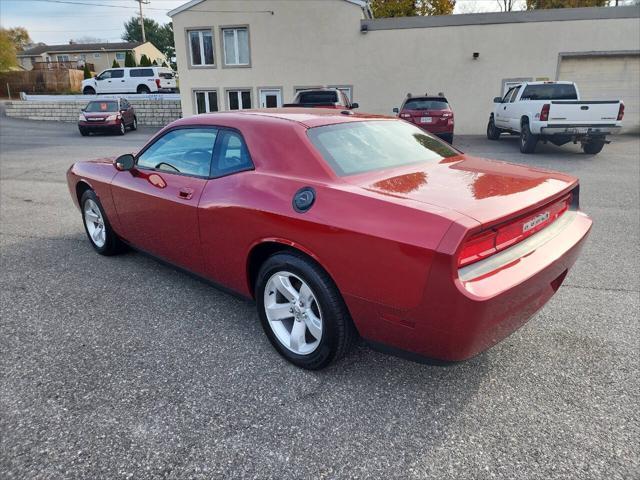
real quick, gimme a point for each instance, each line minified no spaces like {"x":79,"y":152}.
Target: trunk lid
{"x":487,"y":191}
{"x":427,"y":117}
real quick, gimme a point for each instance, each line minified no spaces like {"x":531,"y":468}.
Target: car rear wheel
{"x":122,"y":129}
{"x":102,"y":237}
{"x":528,"y":140}
{"x":302,"y":312}
{"x":89,"y":91}
{"x":493,"y":132}
{"x":143,"y":89}
{"x":447,"y":137}
{"x":593,"y":147}
{"x":134,"y":124}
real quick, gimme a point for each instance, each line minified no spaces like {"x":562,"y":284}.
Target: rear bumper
{"x":580,"y":130}
{"x":459,"y":319}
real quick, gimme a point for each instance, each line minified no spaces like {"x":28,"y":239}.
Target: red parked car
{"x":322,"y":98}
{"x":430,"y":113}
{"x":340,"y":224}
{"x":107,"y":116}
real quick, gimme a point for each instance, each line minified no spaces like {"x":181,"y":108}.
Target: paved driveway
{"x":125,"y":368}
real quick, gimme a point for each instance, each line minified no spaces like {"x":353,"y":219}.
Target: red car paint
{"x":389,"y":239}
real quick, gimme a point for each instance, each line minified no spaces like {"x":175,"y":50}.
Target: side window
{"x":514,"y":94}
{"x":187,"y":151}
{"x":232,"y":154}
{"x":105,"y":75}
{"x":117,"y":73}
{"x":507,"y":95}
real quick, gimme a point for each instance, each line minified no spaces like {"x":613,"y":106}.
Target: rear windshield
{"x":550,"y":91}
{"x":108,"y":106}
{"x":318,"y":97}
{"x":426,"y":104}
{"x":357,"y":147}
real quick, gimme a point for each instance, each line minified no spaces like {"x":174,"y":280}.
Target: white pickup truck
{"x":553,"y":112}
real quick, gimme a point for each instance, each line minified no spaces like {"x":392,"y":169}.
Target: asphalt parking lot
{"x":123,"y":367}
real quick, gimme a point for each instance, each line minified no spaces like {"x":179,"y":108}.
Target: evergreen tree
{"x":87,"y":72}
{"x":129,"y":61}
{"x":115,"y":64}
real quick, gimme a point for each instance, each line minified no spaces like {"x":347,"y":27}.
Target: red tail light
{"x":158,"y":82}
{"x":621,"y":111}
{"x":405,"y":115}
{"x":499,"y":238}
{"x":544,"y":113}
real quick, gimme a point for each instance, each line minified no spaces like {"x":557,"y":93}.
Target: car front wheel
{"x":89,"y":91}
{"x":302,"y":312}
{"x":102,"y":237}
{"x":493,"y":132}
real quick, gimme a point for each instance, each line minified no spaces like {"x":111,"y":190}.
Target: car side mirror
{"x":497,"y":99}
{"x":355,"y":105}
{"x":396,"y":110}
{"x":125,"y":162}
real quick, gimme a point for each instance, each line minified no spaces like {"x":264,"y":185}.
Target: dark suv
{"x":431,"y":113}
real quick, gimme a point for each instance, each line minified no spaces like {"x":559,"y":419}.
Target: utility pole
{"x":140,"y":2}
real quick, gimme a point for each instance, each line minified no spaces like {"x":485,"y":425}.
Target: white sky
{"x":53,"y":23}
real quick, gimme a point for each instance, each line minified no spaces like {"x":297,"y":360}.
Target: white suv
{"x":131,"y":80}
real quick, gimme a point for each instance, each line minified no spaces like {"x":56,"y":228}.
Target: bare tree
{"x":506,"y":5}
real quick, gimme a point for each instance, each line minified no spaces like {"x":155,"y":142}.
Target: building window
{"x":236,"y":46}
{"x":120,"y":56}
{"x":201,"y":47}
{"x":347,"y":90}
{"x":238,"y":99}
{"x":96,"y":55}
{"x":206,"y":101}
{"x":62,"y":58}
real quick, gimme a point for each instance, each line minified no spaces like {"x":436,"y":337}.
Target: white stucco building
{"x":254,"y":53}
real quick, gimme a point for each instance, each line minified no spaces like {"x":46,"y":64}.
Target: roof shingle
{"x":79,"y":47}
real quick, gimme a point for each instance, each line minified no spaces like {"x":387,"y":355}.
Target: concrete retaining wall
{"x":154,"y":113}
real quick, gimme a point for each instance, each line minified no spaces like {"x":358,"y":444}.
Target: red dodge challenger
{"x":340,"y":224}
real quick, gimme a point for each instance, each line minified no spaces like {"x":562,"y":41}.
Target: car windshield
{"x":108,"y":106}
{"x":550,"y":91}
{"x":318,"y":97}
{"x":358,"y":147}
{"x":426,"y":104}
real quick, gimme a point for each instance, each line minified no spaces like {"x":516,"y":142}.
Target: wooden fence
{"x":41,"y":81}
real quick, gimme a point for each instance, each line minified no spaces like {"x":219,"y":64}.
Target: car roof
{"x":306,"y":117}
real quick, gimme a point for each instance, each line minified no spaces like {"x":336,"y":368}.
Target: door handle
{"x":185,"y":193}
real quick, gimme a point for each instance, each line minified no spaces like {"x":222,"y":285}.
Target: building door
{"x":607,"y":77}
{"x":270,"y":98}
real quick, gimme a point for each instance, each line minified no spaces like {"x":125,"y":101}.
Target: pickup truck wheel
{"x":528,"y":140}
{"x":493,"y":132}
{"x":593,"y":147}
{"x":89,"y":91}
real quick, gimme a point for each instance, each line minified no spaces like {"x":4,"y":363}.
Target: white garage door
{"x":607,"y":78}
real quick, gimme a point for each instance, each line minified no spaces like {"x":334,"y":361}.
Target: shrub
{"x":87,"y":72}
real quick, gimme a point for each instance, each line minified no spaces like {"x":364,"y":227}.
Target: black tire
{"x":528,"y":140}
{"x":122,"y":129}
{"x":89,"y":91}
{"x":493,"y":132}
{"x":593,"y":147}
{"x":338,"y":331}
{"x":134,"y":124}
{"x":83,"y":131}
{"x":448,"y":137}
{"x":113,"y":245}
{"x":143,"y":89}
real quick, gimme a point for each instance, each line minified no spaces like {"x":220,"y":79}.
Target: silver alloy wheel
{"x":135,"y":123}
{"x":123,"y":129}
{"x":293,"y":312}
{"x":95,"y":223}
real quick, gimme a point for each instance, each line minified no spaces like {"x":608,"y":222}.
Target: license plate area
{"x":426,"y":119}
